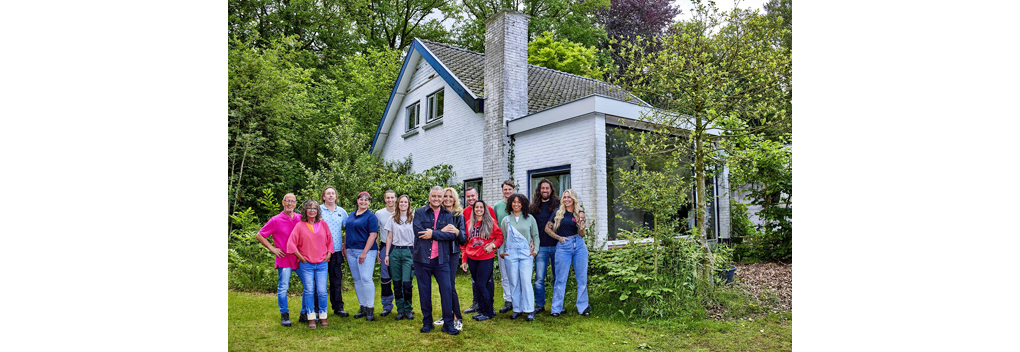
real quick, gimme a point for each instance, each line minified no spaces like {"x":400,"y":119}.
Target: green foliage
{"x":564,"y":55}
{"x":360,"y":86}
{"x":269,"y":111}
{"x":764,"y":167}
{"x":713,"y":68}
{"x":621,"y":279}
{"x":568,"y":19}
{"x":250,"y":267}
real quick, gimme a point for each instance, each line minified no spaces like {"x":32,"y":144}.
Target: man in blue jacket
{"x":431,"y":252}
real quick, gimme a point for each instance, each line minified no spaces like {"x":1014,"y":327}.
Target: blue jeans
{"x":544,"y":260}
{"x":282,"y":284}
{"x":313,"y":278}
{"x":571,"y":252}
{"x":362,"y":275}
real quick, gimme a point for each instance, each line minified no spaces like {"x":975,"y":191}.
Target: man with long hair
{"x":543,"y":205}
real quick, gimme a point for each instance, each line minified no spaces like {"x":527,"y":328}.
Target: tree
{"x":573,"y":20}
{"x":564,"y":55}
{"x":394,"y":23}
{"x":267,"y":104}
{"x":628,"y":19}
{"x":713,"y":72}
{"x":322,"y":27}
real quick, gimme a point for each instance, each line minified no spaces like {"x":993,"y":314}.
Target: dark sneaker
{"x":484,"y":318}
{"x":285,"y":319}
{"x":371,"y":314}
{"x":451,"y":331}
{"x":531,"y":317}
{"x":507,"y":306}
{"x":361,"y":313}
{"x":385,"y":313}
{"x":473,"y":308}
{"x":555,"y":314}
{"x":302,"y":318}
{"x":400,"y":316}
{"x":410,"y":315}
{"x":587,"y":311}
{"x":341,"y":313}
{"x":426,"y":328}
{"x":515,"y":315}
{"x":539,"y":309}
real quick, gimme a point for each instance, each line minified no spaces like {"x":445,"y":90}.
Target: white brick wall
{"x":456,"y":142}
{"x":579,"y":142}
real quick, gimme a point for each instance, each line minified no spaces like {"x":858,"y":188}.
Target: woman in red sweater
{"x":483,"y":238}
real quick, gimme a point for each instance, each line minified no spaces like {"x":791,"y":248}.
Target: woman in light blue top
{"x":518,"y":250}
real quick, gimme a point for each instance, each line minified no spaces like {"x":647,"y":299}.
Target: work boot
{"x":371,"y":314}
{"x":473,"y":308}
{"x":285,"y":319}
{"x":507,"y":306}
{"x":361,"y":313}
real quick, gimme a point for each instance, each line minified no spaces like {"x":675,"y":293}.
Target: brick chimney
{"x":506,"y":93}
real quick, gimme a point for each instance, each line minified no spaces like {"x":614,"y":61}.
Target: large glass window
{"x":413,"y":113}
{"x":624,"y":218}
{"x":435,"y":110}
{"x":559,"y":177}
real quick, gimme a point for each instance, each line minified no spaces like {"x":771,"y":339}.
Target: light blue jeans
{"x":282,"y":284}
{"x":362,"y":275}
{"x":313,"y":278}
{"x":544,"y":260}
{"x":571,"y":252}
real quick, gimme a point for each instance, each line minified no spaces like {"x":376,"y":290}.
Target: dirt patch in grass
{"x":768,"y":279}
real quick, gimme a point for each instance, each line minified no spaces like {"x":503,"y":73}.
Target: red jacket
{"x":474,"y":248}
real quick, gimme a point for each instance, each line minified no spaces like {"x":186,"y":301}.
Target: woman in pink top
{"x":312,"y":243}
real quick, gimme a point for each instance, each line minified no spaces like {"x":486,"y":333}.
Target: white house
{"x":493,"y":117}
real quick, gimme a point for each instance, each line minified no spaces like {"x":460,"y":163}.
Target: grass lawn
{"x":254,"y":325}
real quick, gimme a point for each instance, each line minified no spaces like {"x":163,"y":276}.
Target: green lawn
{"x":254,"y":325}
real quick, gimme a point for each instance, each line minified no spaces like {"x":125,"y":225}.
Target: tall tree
{"x":712,"y":72}
{"x":323,"y":27}
{"x":573,"y":20}
{"x":394,"y":23}
{"x":627,"y":19}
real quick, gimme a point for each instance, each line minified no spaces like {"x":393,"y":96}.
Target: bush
{"x":621,"y":280}
{"x":771,"y":241}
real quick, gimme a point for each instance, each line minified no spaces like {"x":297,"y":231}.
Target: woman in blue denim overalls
{"x":520,"y":235}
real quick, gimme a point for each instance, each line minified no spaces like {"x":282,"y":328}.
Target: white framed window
{"x":435,"y":108}
{"x":413,"y":116}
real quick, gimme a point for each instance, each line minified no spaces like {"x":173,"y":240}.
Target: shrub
{"x":622,"y":282}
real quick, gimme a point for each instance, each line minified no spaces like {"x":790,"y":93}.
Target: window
{"x":413,"y":113}
{"x":477,"y":184}
{"x":559,"y":176}
{"x":435,"y":110}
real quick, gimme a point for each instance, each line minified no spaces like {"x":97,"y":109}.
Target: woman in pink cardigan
{"x":312,"y":243}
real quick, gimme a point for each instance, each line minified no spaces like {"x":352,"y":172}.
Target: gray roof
{"x":546,"y":87}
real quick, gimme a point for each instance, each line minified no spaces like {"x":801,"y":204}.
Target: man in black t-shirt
{"x":543,"y":207}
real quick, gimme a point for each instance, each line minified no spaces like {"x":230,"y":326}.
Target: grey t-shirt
{"x":385,"y":217}
{"x":403,"y":234}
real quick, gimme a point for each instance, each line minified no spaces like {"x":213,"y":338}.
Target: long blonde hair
{"x":409,"y":213}
{"x":563,"y":209}
{"x":457,"y":208}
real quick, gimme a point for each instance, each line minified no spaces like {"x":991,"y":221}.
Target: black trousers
{"x":424,"y":273}
{"x":336,"y":298}
{"x":454,"y":266}
{"x":483,"y":287}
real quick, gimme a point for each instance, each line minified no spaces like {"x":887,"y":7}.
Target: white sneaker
{"x":439,"y":322}
{"x":457,"y":324}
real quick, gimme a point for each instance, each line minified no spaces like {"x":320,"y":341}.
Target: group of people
{"x":527,"y":236}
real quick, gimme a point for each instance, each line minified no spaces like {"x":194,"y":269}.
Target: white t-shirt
{"x":385,"y":217}
{"x":403,"y":234}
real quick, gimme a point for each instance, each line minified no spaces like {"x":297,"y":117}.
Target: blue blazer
{"x":447,"y":241}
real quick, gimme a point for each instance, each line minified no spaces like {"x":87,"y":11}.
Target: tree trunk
{"x":699,"y":176}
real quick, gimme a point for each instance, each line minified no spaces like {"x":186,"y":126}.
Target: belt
{"x":402,"y":247}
